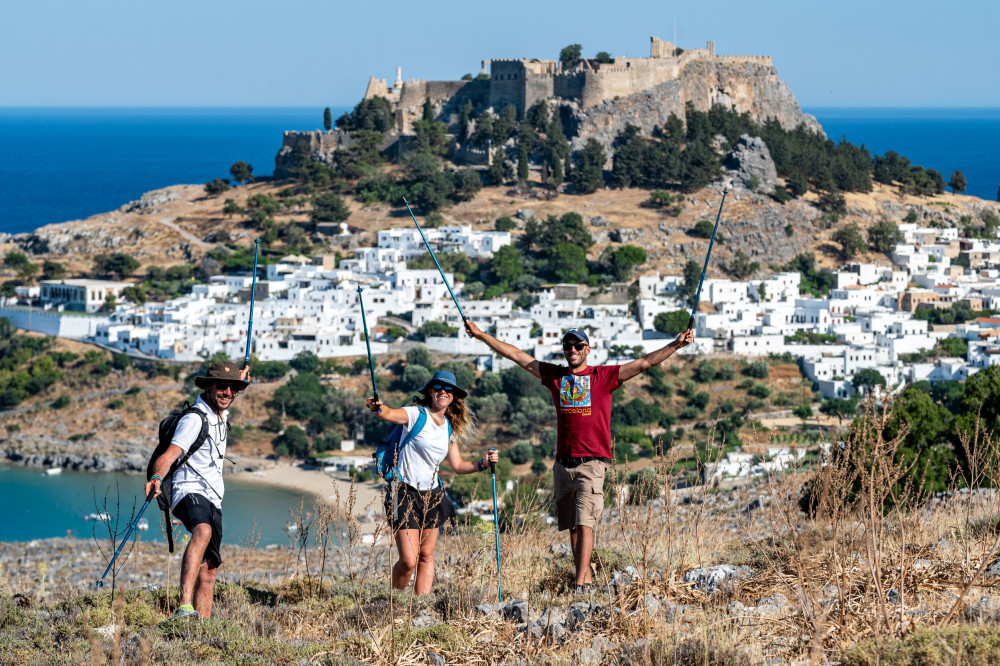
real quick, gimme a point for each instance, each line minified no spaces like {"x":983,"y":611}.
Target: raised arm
{"x":633,"y":368}
{"x":508,"y":351}
{"x":397,"y":416}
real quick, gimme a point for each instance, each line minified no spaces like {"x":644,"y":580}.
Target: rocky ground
{"x":703,"y":576}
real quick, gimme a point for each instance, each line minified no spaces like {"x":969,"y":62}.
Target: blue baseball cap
{"x":446,"y":378}
{"x":576,"y":333}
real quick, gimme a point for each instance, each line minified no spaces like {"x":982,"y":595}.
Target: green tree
{"x":293,"y":442}
{"x":420,"y":355}
{"x":431,"y":137}
{"x":14,"y":259}
{"x":437,"y":329}
{"x":569,"y":56}
{"x":428,"y":112}
{"x":507,"y":264}
{"x":589,"y":174}
{"x":327,"y":119}
{"x":119,"y":264}
{"x":523,"y":166}
{"x":702,"y":229}
{"x":850,"y":239}
{"x":216,"y":186}
{"x":603,"y":57}
{"x":464,"y":120}
{"x":241,"y":172}
{"x":958,"y":182}
{"x":692,"y":275}
{"x":567,"y":263}
{"x":741,"y":266}
{"x":866,"y":379}
{"x":624,"y":260}
{"x":884,"y":236}
{"x":328,"y":207}
{"x":672,"y":323}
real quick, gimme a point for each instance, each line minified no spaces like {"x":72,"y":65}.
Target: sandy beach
{"x":318,"y":483}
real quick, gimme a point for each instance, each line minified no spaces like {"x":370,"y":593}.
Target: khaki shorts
{"x":579,"y":494}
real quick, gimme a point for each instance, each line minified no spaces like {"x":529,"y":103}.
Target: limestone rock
{"x":751,"y":161}
{"x":713,"y":579}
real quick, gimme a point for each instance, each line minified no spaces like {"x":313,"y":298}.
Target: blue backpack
{"x":387,"y":452}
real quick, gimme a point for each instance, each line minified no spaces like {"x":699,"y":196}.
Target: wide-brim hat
{"x":446,"y":378}
{"x":221,"y":371}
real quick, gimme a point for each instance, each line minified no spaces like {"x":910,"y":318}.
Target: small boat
{"x":98,"y":516}
{"x":143,"y":524}
{"x":291,"y":527}
{"x":52,"y":471}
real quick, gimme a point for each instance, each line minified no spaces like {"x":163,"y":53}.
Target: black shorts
{"x":195,"y":509}
{"x":419,"y":509}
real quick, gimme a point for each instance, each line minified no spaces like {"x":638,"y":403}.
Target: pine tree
{"x":327,"y":119}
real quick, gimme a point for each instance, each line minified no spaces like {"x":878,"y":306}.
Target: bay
{"x":34,"y":505}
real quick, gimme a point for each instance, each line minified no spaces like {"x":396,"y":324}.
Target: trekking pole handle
{"x":493,"y":465}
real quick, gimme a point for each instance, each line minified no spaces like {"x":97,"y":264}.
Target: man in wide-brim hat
{"x":197,"y":484}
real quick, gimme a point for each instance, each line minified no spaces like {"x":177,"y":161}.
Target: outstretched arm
{"x":633,"y":368}
{"x":397,"y":416}
{"x":522,"y":358}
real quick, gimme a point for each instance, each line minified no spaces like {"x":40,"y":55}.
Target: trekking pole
{"x":131,"y":527}
{"x":464,"y":318}
{"x":496,"y":527}
{"x":253,"y":289}
{"x":371,"y":365}
{"x":697,"y":295}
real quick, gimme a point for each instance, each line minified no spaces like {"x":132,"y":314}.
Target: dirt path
{"x":188,"y":236}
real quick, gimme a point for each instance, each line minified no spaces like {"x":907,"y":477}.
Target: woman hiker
{"x":421,"y":505}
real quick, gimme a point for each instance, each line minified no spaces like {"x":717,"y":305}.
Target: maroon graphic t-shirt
{"x":583,"y":407}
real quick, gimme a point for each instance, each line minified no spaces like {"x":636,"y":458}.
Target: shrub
{"x":117,"y":403}
{"x":757,"y":369}
{"x":61,"y":401}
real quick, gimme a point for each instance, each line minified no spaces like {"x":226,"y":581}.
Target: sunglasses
{"x":442,"y":387}
{"x":233,"y":386}
{"x":579,"y":346}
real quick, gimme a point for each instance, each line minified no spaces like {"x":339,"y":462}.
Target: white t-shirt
{"x":419,"y":460}
{"x":206,"y":461}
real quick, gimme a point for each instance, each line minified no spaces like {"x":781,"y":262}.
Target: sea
{"x":35,"y":505}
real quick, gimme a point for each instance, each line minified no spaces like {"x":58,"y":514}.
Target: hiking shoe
{"x":186,"y":610}
{"x":585,"y":589}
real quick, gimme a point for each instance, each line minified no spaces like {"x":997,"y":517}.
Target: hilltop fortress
{"x":597,"y":98}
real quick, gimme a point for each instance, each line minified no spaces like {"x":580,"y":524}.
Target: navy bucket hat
{"x":445,"y":378}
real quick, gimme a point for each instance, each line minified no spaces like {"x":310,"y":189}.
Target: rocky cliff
{"x":747,"y":87}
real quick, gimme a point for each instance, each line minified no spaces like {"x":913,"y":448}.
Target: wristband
{"x":480,"y":466}
{"x":157,"y":477}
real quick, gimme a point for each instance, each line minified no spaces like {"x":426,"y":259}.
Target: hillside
{"x":180,"y":224}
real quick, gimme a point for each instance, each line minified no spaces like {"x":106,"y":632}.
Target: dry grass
{"x":865,"y":577}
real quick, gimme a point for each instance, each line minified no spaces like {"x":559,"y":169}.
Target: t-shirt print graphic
{"x":574,"y":394}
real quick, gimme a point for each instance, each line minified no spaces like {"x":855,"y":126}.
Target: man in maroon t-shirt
{"x":582,"y":398}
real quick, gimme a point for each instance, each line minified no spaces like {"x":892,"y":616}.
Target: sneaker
{"x":186,"y":610}
{"x":585,"y":589}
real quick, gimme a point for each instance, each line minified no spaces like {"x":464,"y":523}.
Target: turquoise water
{"x":36,"y":506}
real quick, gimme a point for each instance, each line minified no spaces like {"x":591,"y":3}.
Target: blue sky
{"x":316,"y":53}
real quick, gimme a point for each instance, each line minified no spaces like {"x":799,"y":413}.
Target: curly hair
{"x":463,"y":420}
